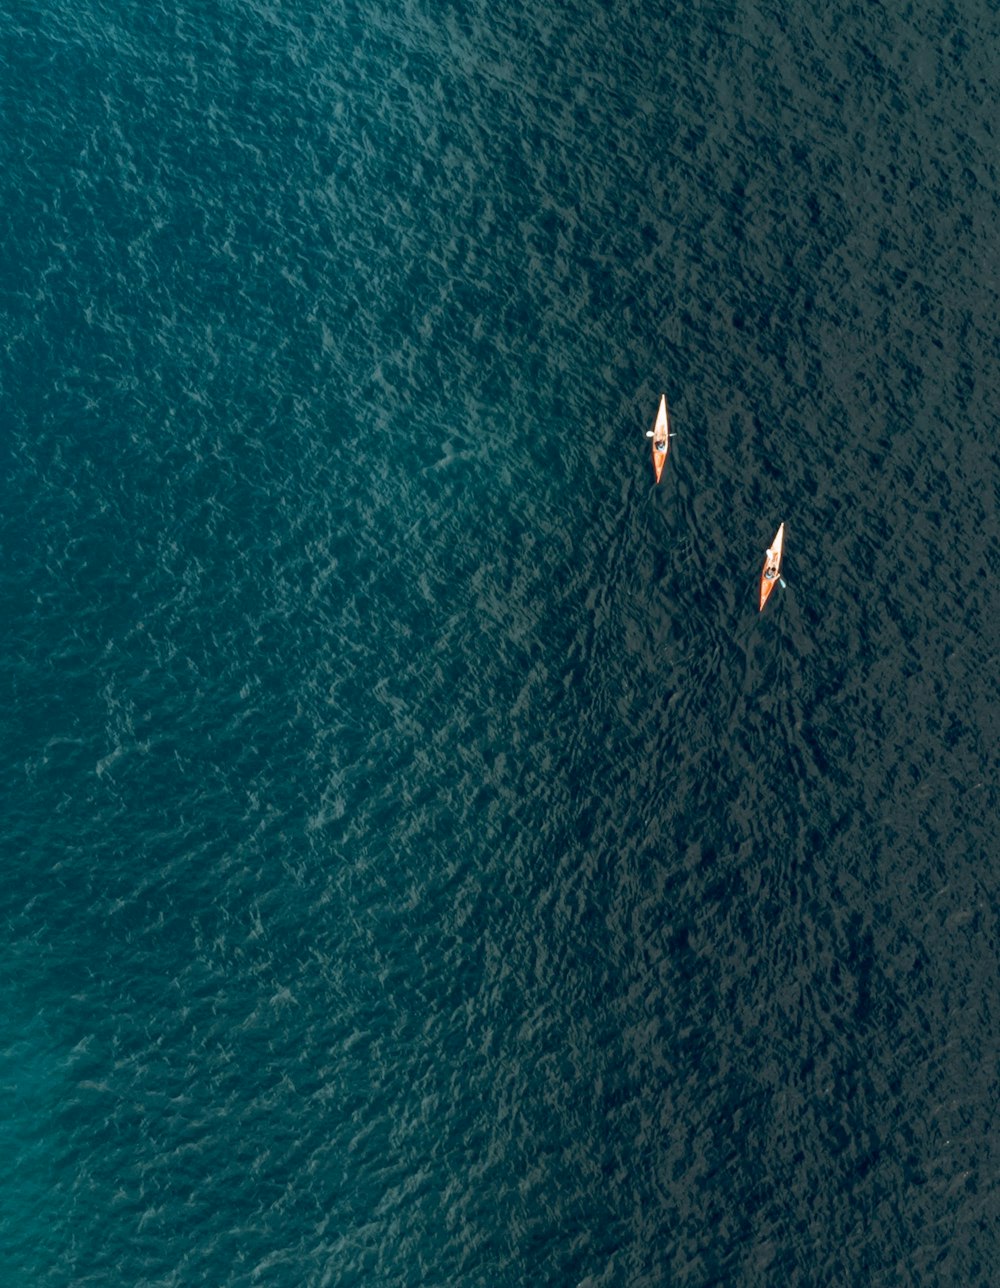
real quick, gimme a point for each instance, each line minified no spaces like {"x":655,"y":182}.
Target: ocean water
{"x":422,"y":865}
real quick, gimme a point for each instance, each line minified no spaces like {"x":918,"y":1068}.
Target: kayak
{"x":660,"y":434}
{"x":771,"y":572}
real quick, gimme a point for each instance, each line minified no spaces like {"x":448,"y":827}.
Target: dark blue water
{"x":422,"y":865}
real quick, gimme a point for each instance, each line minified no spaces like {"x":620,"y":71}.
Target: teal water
{"x":422,"y":864}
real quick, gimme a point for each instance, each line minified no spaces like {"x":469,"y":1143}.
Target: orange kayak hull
{"x":771,"y":571}
{"x":661,"y":437}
